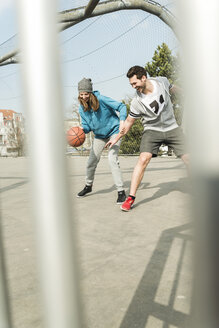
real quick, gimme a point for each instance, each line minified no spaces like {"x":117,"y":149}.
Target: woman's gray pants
{"x":93,"y":160}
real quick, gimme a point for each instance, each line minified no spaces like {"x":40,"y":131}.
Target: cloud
{"x":5,"y":4}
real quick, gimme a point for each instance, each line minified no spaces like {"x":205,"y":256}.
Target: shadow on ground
{"x":181,"y":185}
{"x":143,"y":302}
{"x":14,"y":185}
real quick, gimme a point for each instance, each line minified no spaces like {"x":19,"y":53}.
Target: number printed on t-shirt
{"x":155,"y":105}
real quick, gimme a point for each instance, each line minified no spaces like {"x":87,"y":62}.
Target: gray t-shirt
{"x":156,"y":110}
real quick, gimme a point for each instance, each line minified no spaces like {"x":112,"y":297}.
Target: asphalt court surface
{"x":135,"y":267}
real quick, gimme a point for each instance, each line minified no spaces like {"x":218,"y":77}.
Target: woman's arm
{"x":86,"y":127}
{"x":115,"y":105}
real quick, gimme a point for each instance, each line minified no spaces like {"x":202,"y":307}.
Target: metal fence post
{"x":54,"y":233}
{"x":5,"y":318}
{"x":200,"y":36}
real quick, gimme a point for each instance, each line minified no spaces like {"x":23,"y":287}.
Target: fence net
{"x":102,"y":48}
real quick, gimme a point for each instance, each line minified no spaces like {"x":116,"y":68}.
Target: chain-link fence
{"x":130,"y":145}
{"x":129,"y":30}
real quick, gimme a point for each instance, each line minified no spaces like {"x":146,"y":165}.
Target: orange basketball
{"x":75,"y":136}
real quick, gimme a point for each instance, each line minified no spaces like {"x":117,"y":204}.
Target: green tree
{"x":131,"y":141}
{"x":165,"y":64}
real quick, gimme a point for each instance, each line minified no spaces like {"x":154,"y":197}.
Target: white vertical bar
{"x":38,"y":32}
{"x":5,"y":319}
{"x":201,"y":35}
{"x":201,"y":44}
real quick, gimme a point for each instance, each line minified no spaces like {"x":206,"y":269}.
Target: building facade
{"x":12,"y":133}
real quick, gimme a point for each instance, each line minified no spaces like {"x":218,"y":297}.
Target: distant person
{"x":153,"y":105}
{"x":99,"y":114}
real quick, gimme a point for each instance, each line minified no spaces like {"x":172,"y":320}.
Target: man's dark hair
{"x":139,"y":71}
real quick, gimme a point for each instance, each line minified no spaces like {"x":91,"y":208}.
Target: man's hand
{"x":113,"y":141}
{"x":125,"y":127}
{"x":122,"y":127}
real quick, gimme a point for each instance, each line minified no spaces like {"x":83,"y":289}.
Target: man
{"x":153,"y":105}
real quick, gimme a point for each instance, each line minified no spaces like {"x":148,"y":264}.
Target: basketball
{"x":75,"y":136}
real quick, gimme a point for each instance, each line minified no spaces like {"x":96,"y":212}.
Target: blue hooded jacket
{"x":105,"y":121}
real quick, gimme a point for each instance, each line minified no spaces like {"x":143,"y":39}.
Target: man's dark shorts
{"x":151,"y":141}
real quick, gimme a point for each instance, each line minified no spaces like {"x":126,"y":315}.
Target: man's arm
{"x":127,"y":125}
{"x":125,"y":129}
{"x":176,"y":90}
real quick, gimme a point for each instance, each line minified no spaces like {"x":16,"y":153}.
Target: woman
{"x":98,"y":114}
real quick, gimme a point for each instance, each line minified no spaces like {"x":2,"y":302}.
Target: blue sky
{"x":102,"y":48}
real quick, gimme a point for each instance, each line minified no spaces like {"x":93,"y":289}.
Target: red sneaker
{"x":127,"y":205}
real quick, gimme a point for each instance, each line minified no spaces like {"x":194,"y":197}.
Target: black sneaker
{"x":83,"y":192}
{"x":121,"y":197}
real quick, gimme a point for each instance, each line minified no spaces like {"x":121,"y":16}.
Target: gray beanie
{"x":85,"y":85}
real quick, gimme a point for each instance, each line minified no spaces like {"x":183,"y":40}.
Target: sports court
{"x":135,"y":268}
